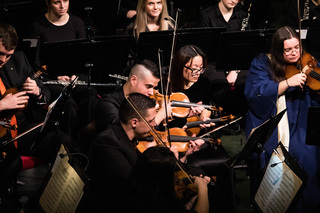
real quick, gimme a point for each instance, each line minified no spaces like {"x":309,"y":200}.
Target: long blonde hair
{"x":141,"y":18}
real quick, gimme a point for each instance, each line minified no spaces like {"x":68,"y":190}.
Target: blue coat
{"x":261,"y":93}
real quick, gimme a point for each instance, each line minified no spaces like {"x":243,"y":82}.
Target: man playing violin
{"x":15,"y":72}
{"x":143,"y":78}
{"x":114,"y":154}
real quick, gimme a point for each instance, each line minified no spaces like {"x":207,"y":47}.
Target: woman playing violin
{"x":268,"y":91}
{"x":188,"y":64}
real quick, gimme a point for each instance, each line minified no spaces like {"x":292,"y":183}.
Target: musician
{"x":225,"y":13}
{"x":143,"y":78}
{"x":152,"y":15}
{"x":187,"y":76}
{"x":188,"y":65}
{"x":228,"y":14}
{"x":58,"y":25}
{"x":114,"y":155}
{"x":153,"y":185}
{"x":268,"y":91}
{"x":16,"y":72}
{"x":127,"y":11}
{"x":309,"y":10}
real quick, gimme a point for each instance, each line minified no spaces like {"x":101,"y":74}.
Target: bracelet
{"x":287,"y":82}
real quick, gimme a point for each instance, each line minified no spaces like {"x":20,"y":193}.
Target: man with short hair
{"x":114,"y":154}
{"x":143,"y":78}
{"x":15,"y":72}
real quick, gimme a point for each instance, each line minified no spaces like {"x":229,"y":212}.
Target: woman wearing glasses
{"x":188,"y":64}
{"x":269,"y":91}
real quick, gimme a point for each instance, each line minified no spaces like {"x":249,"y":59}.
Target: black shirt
{"x":48,"y":32}
{"x":212,"y":17}
{"x":107,"y":111}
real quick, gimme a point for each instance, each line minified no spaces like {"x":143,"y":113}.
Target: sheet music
{"x":279,"y":185}
{"x":64,"y":189}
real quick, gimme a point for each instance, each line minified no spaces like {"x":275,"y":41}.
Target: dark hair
{"x":152,"y":67}
{"x":277,"y":61}
{"x":152,"y":182}
{"x":142,"y":102}
{"x":180,"y":59}
{"x":8,"y":36}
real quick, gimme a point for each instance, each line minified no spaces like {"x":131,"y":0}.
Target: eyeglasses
{"x":194,"y":71}
{"x":289,"y":51}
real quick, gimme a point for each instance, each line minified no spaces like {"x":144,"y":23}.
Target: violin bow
{"x":220,"y":127}
{"x":300,"y":42}
{"x":4,"y":143}
{"x":174,"y":39}
{"x":155,"y":135}
{"x":165,"y":97}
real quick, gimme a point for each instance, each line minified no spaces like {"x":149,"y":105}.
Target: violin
{"x":308,"y":65}
{"x":183,"y":186}
{"x":178,"y":137}
{"x":6,"y":115}
{"x":193,"y":123}
{"x":180,"y":103}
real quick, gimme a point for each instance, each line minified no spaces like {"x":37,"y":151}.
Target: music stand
{"x":207,"y":39}
{"x":150,"y":42}
{"x":312,"y":42}
{"x":312,"y":136}
{"x":237,"y":49}
{"x":257,"y":138}
{"x":107,"y":55}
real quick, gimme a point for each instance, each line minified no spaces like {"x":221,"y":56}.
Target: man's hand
{"x":16,"y":101}
{"x":31,"y":87}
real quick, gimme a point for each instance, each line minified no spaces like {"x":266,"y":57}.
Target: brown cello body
{"x":309,"y":67}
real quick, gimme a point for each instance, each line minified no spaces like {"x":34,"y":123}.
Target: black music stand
{"x":103,"y":55}
{"x":257,"y":139}
{"x":312,"y":42}
{"x":313,"y":133}
{"x":237,"y":49}
{"x":150,"y":42}
{"x":207,"y":39}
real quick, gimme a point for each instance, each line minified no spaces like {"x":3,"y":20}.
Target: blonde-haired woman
{"x":152,"y":15}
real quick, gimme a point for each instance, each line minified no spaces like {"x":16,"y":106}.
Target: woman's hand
{"x":297,"y":80}
{"x":196,"y":110}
